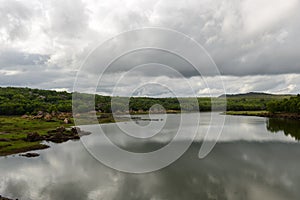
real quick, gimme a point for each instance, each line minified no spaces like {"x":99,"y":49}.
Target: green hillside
{"x":20,"y":101}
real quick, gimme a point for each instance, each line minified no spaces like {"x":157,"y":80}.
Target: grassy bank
{"x":248,"y":113}
{"x":282,"y":115}
{"x":14,"y":130}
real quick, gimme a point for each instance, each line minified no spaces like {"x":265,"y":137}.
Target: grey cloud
{"x":68,"y":19}
{"x":38,"y":76}
{"x":238,"y":52}
{"x":14,"y":19}
{"x":241,"y":40}
{"x":155,"y":87}
{"x":9,"y":58}
{"x":226,"y":31}
{"x":145,"y":61}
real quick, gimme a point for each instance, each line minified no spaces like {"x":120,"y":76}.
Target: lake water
{"x":255,"y":158}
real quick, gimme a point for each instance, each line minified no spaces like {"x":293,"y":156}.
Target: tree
{"x":272,"y":106}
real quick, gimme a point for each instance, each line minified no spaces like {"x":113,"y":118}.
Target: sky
{"x":254,"y":44}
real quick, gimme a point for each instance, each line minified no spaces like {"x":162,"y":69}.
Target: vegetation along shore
{"x":28,"y":117}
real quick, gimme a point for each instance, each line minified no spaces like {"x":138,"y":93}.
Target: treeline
{"x":19,"y":101}
{"x":247,"y":104}
{"x":291,"y":105}
{"x":106,"y":104}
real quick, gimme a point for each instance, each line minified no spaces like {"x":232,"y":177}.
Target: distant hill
{"x":259,"y":95}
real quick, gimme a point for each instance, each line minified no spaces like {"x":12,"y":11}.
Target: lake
{"x":255,"y":158}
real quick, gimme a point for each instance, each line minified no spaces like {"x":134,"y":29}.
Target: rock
{"x":4,"y":140}
{"x":40,"y":113}
{"x":38,"y":117}
{"x":33,"y":137}
{"x":25,"y":117}
{"x":75,"y":130}
{"x":61,"y":134}
{"x":60,"y":129}
{"x":79,"y":132}
{"x":30,"y":155}
{"x":57,"y":137}
{"x":66,"y":121}
{"x":48,"y":117}
{"x":53,"y":113}
{"x":62,"y":116}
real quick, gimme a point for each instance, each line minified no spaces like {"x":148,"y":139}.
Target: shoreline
{"x":5,"y":198}
{"x":35,"y":141}
{"x":291,"y":116}
{"x":26,"y":135}
{"x":22,"y":134}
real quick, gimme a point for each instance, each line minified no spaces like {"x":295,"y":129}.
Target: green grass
{"x":14,"y":129}
{"x":17,"y":127}
{"x":19,"y":146}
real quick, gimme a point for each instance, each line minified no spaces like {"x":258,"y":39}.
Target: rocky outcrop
{"x":47,"y":117}
{"x":4,"y":140}
{"x":40,"y":115}
{"x":58,"y":135}
{"x":33,"y":137}
{"x":25,"y":116}
{"x":4,"y":198}
{"x":30,"y":155}
{"x":65,"y":117}
{"x":66,"y":121}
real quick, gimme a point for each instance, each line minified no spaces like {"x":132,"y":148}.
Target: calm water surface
{"x":255,"y":158}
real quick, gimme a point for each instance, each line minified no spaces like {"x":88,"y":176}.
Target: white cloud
{"x":9,"y":72}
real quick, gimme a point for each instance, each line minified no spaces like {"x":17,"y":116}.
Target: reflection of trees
{"x":289,"y":127}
